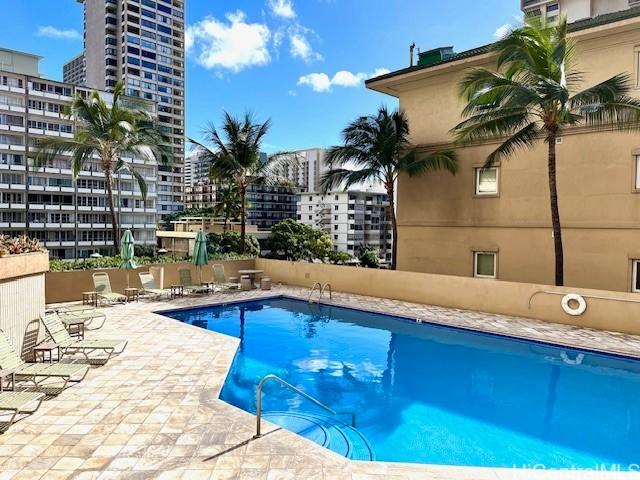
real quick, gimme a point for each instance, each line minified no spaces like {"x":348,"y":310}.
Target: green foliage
{"x":144,"y":250}
{"x":17,"y":245}
{"x":230,"y":243}
{"x":339,"y":258}
{"x":369,"y":257}
{"x":293,"y":240}
{"x":57,"y":265}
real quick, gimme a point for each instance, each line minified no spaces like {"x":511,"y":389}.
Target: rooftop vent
{"x":436,"y":55}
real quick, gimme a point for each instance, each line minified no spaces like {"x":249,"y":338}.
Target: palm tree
{"x":109,"y":132}
{"x":228,"y":203}
{"x":234,"y":154}
{"x":531,"y":97}
{"x":377,"y":149}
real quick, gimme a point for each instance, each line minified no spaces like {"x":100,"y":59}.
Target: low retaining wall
{"x":68,"y":286}
{"x":22,"y":298}
{"x":507,"y":298}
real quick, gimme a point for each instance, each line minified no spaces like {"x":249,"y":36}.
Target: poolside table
{"x":251,"y":274}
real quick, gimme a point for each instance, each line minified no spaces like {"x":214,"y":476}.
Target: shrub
{"x":17,"y":245}
{"x":229,"y":243}
{"x":339,"y":258}
{"x":369,"y":258}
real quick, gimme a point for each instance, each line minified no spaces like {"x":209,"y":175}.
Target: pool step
{"x":327,"y":431}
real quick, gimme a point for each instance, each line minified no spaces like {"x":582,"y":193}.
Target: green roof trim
{"x":474,"y":52}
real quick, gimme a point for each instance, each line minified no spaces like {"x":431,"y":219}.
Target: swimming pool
{"x":426,"y":393}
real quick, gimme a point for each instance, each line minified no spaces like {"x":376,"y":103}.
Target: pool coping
{"x":527,"y":472}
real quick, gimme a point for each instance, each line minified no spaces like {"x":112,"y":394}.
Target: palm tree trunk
{"x":243,"y":218}
{"x":394,"y":227}
{"x":555,"y":211}
{"x":112,"y":210}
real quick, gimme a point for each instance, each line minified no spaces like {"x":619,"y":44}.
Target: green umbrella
{"x":200,"y":255}
{"x":126,"y":253}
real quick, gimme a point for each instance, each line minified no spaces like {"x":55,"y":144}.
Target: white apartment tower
{"x":141,"y":43}
{"x":70,"y":218}
{"x":353,"y":219}
{"x":575,"y":9}
{"x":307,"y":171}
{"x":75,"y":71}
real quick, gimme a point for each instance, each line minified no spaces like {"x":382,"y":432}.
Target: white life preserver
{"x":574,"y":297}
{"x":577,"y":361}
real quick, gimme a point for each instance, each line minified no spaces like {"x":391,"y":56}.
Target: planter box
{"x":22,"y":299}
{"x":14,"y":266}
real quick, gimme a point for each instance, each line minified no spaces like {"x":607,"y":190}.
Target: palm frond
{"x":523,"y":138}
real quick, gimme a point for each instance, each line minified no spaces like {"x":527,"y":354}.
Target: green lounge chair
{"x":187,"y":282}
{"x":221,"y":280}
{"x":83,"y":312}
{"x":68,"y":346}
{"x":149,"y":286}
{"x":17,"y":402}
{"x":102,"y":286}
{"x":37,"y":372}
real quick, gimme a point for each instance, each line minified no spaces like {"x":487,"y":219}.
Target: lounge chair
{"x":221,"y":280}
{"x":86,"y":313}
{"x":68,"y":346}
{"x":149,"y":286}
{"x":187,"y":282}
{"x":37,"y":372}
{"x":18,"y":402}
{"x":102,"y":285}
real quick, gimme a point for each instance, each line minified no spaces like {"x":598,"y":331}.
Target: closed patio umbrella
{"x":200,"y":255}
{"x":126,"y":253}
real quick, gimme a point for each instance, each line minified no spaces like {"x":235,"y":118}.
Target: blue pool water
{"x":426,"y":393}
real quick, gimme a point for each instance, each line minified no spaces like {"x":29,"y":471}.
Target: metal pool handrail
{"x":322,"y":291}
{"x":277,"y":379}
{"x":317,"y":284}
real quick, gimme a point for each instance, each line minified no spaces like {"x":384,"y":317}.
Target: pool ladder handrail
{"x":284,"y":383}
{"x":322,"y":289}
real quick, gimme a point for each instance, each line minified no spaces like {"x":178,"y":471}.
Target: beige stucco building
{"x":497,"y":224}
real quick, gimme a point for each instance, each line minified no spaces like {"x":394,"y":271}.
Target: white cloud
{"x":53,"y":32}
{"x":321,"y":82}
{"x":301,"y":48}
{"x":232,"y":45}
{"x":502,"y":31}
{"x":282,"y":8}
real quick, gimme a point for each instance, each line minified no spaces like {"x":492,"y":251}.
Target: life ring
{"x":566,"y":359}
{"x":574,"y":297}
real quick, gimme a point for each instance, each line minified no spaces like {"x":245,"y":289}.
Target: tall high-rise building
{"x":307,"y":169}
{"x":575,"y":9}
{"x":75,"y":71}
{"x":141,"y":43}
{"x":70,"y":218}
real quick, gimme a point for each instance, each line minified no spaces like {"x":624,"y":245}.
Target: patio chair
{"x":187,"y":282}
{"x":16,"y":403}
{"x":68,"y":346}
{"x":221,"y":280}
{"x":149,"y":286}
{"x":37,"y":372}
{"x":86,"y":313}
{"x":102,"y":286}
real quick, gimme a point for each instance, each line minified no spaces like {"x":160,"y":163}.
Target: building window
{"x":484,"y":264}
{"x":636,"y":56}
{"x":635,"y":280}
{"x":487,"y":181}
{"x":637,"y":165}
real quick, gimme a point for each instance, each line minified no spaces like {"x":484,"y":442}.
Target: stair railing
{"x":275,"y":378}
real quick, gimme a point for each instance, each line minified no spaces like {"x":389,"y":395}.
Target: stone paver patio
{"x":154,"y":412}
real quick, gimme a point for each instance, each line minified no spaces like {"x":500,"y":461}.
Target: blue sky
{"x":279,"y":58}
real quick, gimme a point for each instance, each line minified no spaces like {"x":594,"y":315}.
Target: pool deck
{"x":154,"y":412}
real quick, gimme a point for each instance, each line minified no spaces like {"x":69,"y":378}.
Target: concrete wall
{"x":507,"y":298}
{"x":441,"y":220}
{"x":22,"y":298}
{"x":68,"y":286}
